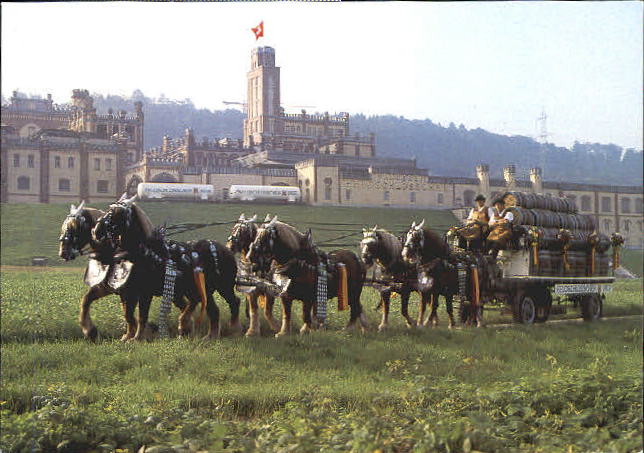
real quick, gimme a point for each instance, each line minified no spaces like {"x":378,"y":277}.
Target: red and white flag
{"x":259,"y":30}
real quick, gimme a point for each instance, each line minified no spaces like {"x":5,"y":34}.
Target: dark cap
{"x":498,"y":200}
{"x":480,"y":197}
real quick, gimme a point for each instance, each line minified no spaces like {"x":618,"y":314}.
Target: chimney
{"x":509,"y":174}
{"x":536,"y":179}
{"x":483,"y":175}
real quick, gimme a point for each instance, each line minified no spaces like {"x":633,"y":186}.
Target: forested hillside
{"x":449,"y":151}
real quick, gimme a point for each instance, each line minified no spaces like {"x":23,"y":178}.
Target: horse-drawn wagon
{"x":552,"y":250}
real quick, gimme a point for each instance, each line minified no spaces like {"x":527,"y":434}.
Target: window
{"x":97,"y":164}
{"x":626,"y":205}
{"x":23,"y":183}
{"x":102,"y":186}
{"x":16,"y":160}
{"x":130,"y":157}
{"x":440,"y":199}
{"x":638,"y":205}
{"x":347,"y":194}
{"x":108,"y":164}
{"x":606,"y":205}
{"x":30,"y":161}
{"x":63,"y":185}
{"x":607,"y":225}
{"x":412,"y":197}
{"x":385,"y":196}
{"x":70,"y":162}
{"x":56,"y":161}
{"x":327,"y":193}
{"x":585,"y":203}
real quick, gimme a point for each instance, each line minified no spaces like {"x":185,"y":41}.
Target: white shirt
{"x":490,"y":212}
{"x":507,"y":215}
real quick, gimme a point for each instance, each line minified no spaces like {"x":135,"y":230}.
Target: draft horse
{"x":241,"y":237}
{"x":381,"y":248}
{"x":296,"y":270}
{"x":126,"y":226}
{"x":432,"y":255}
{"x":76,"y":240}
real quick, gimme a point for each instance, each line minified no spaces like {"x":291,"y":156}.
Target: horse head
{"x":75,"y":232}
{"x":275,"y":241}
{"x":242,"y":234}
{"x":369,"y":245}
{"x":414,"y":243}
{"x":122,"y":221}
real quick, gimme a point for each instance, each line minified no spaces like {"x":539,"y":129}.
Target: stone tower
{"x":483,"y":175}
{"x":263,"y":99}
{"x":509,"y":175}
{"x":536,"y":180}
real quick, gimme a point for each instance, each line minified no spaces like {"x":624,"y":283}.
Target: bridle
{"x":414,"y":243}
{"x":68,"y":238}
{"x":112,"y":231}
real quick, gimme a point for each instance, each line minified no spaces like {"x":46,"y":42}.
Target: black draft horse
{"x":297,"y":261}
{"x":432,"y":254}
{"x":241,"y":237}
{"x":379,"y":247}
{"x":126,"y":226}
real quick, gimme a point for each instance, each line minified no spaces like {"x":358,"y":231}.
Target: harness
{"x":74,"y":240}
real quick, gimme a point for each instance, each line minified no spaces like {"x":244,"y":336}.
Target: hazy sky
{"x":490,"y":65}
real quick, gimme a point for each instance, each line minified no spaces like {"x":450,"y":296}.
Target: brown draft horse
{"x":297,"y":259}
{"x":241,"y":237}
{"x":129,"y":230}
{"x":432,"y":254}
{"x":75,"y":240}
{"x":385,"y":250}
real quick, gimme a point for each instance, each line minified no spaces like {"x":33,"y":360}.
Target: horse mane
{"x":143,"y":220}
{"x":391,"y":242}
{"x":435,"y":246}
{"x":289,"y":235}
{"x":94,"y":213}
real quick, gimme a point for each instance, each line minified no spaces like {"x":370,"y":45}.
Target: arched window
{"x":64,"y":185}
{"x":468,"y":197}
{"x":56,"y":161}
{"x":385,"y":195}
{"x":23,"y":183}
{"x":70,"y":162}
{"x":626,"y":205}
{"x":440,"y":198}
{"x":585,"y":203}
{"x":327,"y":188}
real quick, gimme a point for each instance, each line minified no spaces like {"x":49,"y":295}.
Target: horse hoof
{"x":92,"y":334}
{"x":125,"y":338}
{"x":281,"y":333}
{"x":252,"y":333}
{"x":305,"y":330}
{"x":382,"y":327}
{"x":450,"y":326}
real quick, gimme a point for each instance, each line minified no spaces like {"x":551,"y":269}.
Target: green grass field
{"x":554,"y":387}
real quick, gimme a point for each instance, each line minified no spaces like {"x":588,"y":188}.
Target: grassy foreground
{"x":550,"y":388}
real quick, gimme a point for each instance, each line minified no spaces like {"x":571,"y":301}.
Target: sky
{"x":493,"y":65}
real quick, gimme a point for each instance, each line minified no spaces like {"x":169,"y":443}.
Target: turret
{"x":536,"y":180}
{"x":509,"y":175}
{"x":483,"y":175}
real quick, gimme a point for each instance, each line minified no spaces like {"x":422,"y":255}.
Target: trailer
{"x":286,"y":194}
{"x":175,"y":191}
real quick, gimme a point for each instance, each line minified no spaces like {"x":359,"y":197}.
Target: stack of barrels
{"x":568,"y":243}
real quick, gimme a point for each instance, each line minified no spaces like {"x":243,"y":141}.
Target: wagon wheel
{"x":544,"y":303}
{"x":524,"y":309}
{"x":591,"y":307}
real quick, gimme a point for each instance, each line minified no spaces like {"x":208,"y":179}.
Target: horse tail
{"x":343,"y":288}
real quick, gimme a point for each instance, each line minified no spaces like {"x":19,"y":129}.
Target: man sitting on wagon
{"x":476,"y":225}
{"x":500,"y":228}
